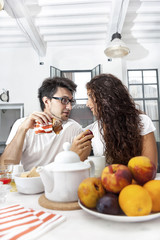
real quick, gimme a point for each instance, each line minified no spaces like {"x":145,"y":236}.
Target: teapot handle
{"x":92,"y":169}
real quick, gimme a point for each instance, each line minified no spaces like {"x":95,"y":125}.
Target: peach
{"x":115,"y":177}
{"x":90,"y":191}
{"x":143,"y":170}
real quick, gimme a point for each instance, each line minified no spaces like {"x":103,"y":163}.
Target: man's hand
{"x":82,"y":144}
{"x":41,"y":117}
{"x":13,"y":151}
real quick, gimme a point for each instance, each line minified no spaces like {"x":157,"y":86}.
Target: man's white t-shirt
{"x":97,"y":141}
{"x":41,"y":149}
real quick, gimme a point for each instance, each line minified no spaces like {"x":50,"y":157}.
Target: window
{"x":80,"y":112}
{"x":80,"y":77}
{"x":144,"y":88}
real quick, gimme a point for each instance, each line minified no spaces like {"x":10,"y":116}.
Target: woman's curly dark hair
{"x":118,"y":118}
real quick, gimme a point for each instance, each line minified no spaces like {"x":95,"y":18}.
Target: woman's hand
{"x":82,"y":144}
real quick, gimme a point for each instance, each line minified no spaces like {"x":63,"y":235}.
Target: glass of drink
{"x":5,"y":174}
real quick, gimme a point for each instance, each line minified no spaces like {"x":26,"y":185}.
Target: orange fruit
{"x":153,"y":188}
{"x":134,"y":200}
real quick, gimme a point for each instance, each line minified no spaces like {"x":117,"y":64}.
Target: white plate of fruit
{"x":119,"y":218}
{"x":123,"y":193}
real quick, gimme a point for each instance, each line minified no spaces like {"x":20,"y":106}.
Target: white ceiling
{"x":43,"y":23}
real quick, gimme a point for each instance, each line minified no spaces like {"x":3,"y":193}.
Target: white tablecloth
{"x":80,"y":225}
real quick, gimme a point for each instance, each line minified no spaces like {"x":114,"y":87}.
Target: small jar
{"x":5,"y":174}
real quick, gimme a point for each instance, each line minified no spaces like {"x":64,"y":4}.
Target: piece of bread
{"x":57,"y":125}
{"x":24,"y":174}
{"x":31,"y":173}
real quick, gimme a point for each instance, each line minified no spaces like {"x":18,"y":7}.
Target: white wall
{"x":22,"y":74}
{"x":144,"y":56}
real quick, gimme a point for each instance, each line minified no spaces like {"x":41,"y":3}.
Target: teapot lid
{"x":67,"y":156}
{"x":68,"y":160}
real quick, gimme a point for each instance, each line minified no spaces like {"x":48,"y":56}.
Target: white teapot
{"x":62,"y":177}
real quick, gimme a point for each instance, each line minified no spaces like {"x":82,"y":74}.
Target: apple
{"x":89,"y":191}
{"x":115,"y":177}
{"x":87,"y":132}
{"x":108,"y":204}
{"x":143,"y":170}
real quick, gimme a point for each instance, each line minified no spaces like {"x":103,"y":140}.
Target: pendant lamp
{"x":117,"y":48}
{"x":1,"y":4}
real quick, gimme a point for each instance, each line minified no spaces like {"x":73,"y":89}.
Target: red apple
{"x":115,"y":177}
{"x":89,"y":191}
{"x":143,"y":170}
{"x":87,"y":132}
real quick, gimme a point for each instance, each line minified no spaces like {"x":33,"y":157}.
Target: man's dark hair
{"x":50,"y":85}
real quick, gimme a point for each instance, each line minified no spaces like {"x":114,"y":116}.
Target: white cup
{"x":17,"y":169}
{"x":99,"y":163}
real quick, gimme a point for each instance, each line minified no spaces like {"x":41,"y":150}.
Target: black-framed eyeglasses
{"x":66,"y":100}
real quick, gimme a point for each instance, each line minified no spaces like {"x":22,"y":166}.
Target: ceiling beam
{"x":17,"y":9}
{"x":118,"y":14}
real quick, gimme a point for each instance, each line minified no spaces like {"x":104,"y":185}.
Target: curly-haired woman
{"x":121,"y":130}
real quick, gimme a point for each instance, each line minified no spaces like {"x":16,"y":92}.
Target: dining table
{"x":81,"y":225}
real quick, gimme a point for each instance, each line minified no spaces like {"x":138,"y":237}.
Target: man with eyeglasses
{"x":32,"y":150}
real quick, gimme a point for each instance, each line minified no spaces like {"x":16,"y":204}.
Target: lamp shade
{"x":117,"y":48}
{"x":1,"y":4}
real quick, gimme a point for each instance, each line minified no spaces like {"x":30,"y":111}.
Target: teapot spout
{"x":46,"y":179}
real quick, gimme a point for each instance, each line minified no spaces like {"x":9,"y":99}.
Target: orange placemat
{"x":18,"y":222}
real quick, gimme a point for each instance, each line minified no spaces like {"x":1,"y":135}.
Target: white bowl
{"x":29,"y":185}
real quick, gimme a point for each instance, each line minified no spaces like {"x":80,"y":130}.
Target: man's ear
{"x":46,"y":100}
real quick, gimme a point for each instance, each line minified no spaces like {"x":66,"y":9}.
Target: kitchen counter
{"x":81,"y":225}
